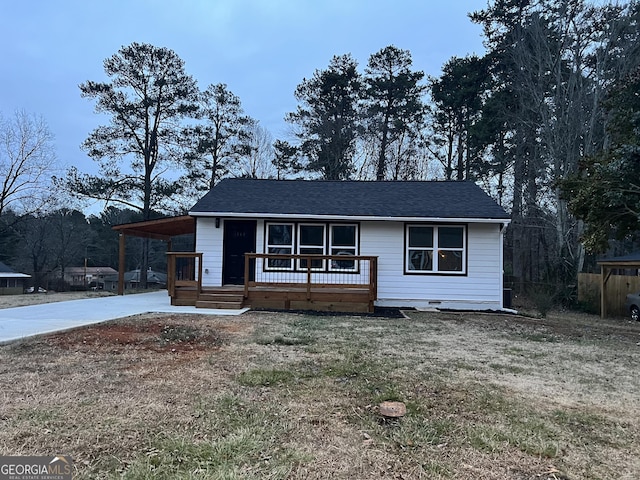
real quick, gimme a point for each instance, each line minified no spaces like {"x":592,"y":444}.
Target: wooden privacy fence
{"x":618,"y":286}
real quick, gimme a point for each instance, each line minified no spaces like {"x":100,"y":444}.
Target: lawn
{"x":286,"y":395}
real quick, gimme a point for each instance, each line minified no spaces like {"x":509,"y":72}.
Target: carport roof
{"x":160,"y":229}
{"x":624,"y":260}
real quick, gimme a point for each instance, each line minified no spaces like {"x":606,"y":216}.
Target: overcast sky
{"x":262,"y":49}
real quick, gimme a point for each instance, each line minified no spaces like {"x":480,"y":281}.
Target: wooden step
{"x":221,"y":297}
{"x":219,"y":304}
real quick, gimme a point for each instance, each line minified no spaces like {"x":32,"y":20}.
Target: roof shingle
{"x":412,"y":199}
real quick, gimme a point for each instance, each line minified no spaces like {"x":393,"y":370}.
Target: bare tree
{"x":256,"y":162}
{"x":27,"y":162}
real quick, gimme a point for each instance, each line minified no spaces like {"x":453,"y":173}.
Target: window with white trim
{"x":311,"y":240}
{"x":343,"y":240}
{"x":280,"y":241}
{"x":435,"y":249}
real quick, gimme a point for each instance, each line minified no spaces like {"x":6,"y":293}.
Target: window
{"x":311,"y":240}
{"x":435,"y":249}
{"x":450,"y":249}
{"x":343,"y":240}
{"x":280,"y":241}
{"x":420,"y":249}
{"x":9,"y":283}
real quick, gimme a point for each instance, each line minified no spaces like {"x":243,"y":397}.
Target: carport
{"x":160,"y":229}
{"x":607,"y":267}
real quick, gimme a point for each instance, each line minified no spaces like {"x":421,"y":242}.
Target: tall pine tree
{"x":328,"y":119}
{"x":393,"y":102}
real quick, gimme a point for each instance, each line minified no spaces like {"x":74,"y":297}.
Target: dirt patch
{"x":174,"y":334}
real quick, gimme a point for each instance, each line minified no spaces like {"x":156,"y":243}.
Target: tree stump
{"x":392,"y":410}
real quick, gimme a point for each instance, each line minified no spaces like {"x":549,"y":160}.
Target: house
{"x":11,"y":282}
{"x":87,"y":277}
{"x":304,"y":244}
{"x":132,"y":280}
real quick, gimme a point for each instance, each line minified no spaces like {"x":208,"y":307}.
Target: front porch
{"x":280,"y":281}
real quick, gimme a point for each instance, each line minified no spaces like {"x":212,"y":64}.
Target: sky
{"x":262,"y":49}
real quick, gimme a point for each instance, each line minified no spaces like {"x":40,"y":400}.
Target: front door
{"x":239,"y":238}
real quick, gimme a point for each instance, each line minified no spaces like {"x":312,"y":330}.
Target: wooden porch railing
{"x":311,"y":272}
{"x":184,"y":269}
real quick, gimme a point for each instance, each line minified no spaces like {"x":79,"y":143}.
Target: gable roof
{"x":358,"y":199}
{"x":90,"y":271}
{"x":8,"y":272}
{"x":5,"y":269}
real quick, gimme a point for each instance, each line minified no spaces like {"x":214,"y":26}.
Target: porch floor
{"x":318,"y":298}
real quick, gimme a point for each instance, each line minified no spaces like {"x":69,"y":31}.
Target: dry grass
{"x":273,"y":395}
{"x":10,"y":301}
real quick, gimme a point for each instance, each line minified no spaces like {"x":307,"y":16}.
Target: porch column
{"x":121,"y":264}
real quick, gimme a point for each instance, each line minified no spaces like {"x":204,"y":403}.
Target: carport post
{"x":121,"y":264}
{"x":605,"y":273}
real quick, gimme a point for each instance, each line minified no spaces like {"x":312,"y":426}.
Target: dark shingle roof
{"x":349,"y":198}
{"x":5,"y":269}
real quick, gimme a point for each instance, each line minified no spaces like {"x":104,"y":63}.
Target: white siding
{"x":480,"y":288}
{"x":209,"y":242}
{"x":260,"y":236}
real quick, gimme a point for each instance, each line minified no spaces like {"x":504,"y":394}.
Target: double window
{"x":312,"y":239}
{"x":435,"y":249}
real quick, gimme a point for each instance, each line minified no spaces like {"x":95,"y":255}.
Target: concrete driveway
{"x":21,"y":322}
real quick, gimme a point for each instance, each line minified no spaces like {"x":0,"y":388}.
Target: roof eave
{"x":351,"y":218}
{"x":619,"y":263}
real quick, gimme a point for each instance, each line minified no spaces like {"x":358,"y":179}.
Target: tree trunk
{"x":382,"y":156}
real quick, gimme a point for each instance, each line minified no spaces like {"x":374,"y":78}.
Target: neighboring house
{"x":132,"y":280}
{"x":11,"y":282}
{"x":410,"y":244}
{"x":87,"y":277}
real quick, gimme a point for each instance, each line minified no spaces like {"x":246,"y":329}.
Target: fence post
{"x":373,"y":277}
{"x":308,"y":278}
